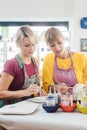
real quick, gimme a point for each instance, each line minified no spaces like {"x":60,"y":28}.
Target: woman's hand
{"x":32,"y":89}
{"x":42,"y":93}
{"x":63,"y":88}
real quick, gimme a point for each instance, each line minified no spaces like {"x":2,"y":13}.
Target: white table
{"x":41,"y":120}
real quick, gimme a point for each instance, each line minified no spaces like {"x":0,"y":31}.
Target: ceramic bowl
{"x":68,"y":108}
{"x":50,"y":109}
{"x":82,"y":109}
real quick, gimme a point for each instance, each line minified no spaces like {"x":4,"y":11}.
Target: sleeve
{"x":47,"y":72}
{"x":84,"y":69}
{"x":10,"y":67}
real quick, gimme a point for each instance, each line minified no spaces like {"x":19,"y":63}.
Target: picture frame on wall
{"x":83,"y":44}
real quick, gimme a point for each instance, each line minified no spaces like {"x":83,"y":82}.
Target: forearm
{"x":47,"y":80}
{"x":33,"y":89}
{"x":12,"y":94}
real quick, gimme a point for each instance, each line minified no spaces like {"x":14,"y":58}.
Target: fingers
{"x":42,"y":93}
{"x":63,"y":89}
{"x":34,"y":89}
{"x":37,"y":90}
{"x":63,"y":84}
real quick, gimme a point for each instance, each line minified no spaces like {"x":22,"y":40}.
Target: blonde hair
{"x":53,"y":34}
{"x":26,"y":31}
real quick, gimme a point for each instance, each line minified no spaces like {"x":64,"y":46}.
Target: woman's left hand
{"x":42,"y":93}
{"x":63,"y":88}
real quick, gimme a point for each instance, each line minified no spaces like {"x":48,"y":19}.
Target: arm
{"x":85,"y":69}
{"x":80,"y":67}
{"x":5,"y":82}
{"x":47,"y":73}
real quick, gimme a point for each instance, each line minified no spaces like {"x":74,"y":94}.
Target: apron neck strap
{"x":20,"y":62}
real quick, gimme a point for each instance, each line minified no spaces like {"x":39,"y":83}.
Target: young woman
{"x":20,"y":77}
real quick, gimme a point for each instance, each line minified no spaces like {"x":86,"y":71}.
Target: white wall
{"x":79,"y":11}
{"x":35,"y":8}
{"x":72,"y":10}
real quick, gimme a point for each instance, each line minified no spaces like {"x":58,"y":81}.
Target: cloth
{"x":29,"y":79}
{"x":41,"y":120}
{"x":22,"y":77}
{"x":12,"y":68}
{"x":79,"y":64}
{"x":67,"y":76}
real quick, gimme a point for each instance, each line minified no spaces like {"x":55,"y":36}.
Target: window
{"x":8,"y":30}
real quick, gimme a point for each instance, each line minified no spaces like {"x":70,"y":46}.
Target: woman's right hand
{"x":32,"y":89}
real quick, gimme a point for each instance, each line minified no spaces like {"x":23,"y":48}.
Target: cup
{"x":50,"y":101}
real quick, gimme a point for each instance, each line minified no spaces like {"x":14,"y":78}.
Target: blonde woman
{"x":20,"y":76}
{"x":62,"y":67}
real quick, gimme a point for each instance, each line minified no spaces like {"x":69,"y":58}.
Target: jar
{"x":67,"y":100}
{"x":50,"y":101}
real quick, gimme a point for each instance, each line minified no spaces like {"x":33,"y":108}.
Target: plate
{"x":38,"y":99}
{"x":20,"y":108}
